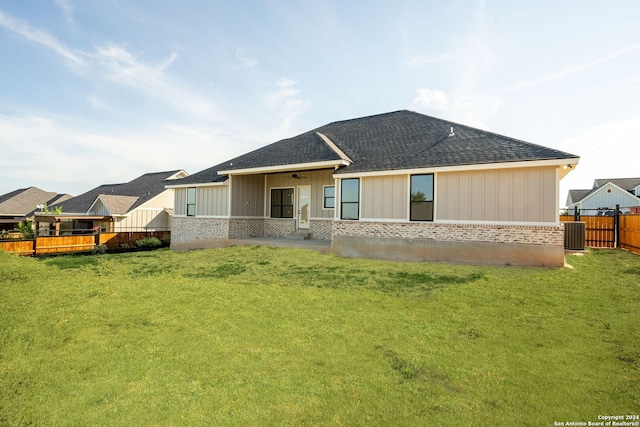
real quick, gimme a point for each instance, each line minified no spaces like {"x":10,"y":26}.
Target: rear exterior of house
{"x":399,"y":186}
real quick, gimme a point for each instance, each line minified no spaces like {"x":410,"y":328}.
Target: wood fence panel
{"x":63,"y":244}
{"x":630,"y":233}
{"x":20,"y":247}
{"x":600,"y":231}
{"x":109,"y":239}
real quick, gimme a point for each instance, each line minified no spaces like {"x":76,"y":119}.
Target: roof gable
{"x":620,"y":196}
{"x":116,"y":205}
{"x":627,"y":184}
{"x":144,"y":188}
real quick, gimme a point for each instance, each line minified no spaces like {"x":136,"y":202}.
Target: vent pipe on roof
{"x":451,"y":133}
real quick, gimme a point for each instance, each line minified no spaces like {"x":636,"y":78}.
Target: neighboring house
{"x":21,"y":204}
{"x":604,"y":196}
{"x":143,"y":204}
{"x":400,"y":185}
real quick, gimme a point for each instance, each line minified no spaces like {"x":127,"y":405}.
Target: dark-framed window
{"x":282,"y":203}
{"x":191,"y":201}
{"x":350,"y":198}
{"x":421,"y":198}
{"x":329,"y":197}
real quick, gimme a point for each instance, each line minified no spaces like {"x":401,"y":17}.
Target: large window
{"x":282,"y":203}
{"x":191,"y":201}
{"x":349,"y":198}
{"x":421,"y":197}
{"x":329,"y":197}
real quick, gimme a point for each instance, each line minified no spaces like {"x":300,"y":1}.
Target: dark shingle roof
{"x":391,"y":141}
{"x":144,"y":187}
{"x":577,"y":195}
{"x":23,"y":202}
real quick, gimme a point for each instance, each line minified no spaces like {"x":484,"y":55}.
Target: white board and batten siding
{"x":503,"y":195}
{"x":247,"y":199}
{"x":210,"y":201}
{"x":385,"y":197}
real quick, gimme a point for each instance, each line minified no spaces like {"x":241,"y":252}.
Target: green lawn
{"x":275,"y":336}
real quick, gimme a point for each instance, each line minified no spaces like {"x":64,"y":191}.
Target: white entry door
{"x":304,"y":206}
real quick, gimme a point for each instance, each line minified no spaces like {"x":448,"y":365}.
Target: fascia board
{"x":463,"y":168}
{"x":286,"y":168}
{"x":200,"y":184}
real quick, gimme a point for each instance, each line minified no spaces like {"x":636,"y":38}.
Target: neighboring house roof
{"x":618,"y":196}
{"x":576,"y":195}
{"x":143,"y":188}
{"x":24,"y":202}
{"x":624,"y":183}
{"x":118,"y":205}
{"x":392,"y":141}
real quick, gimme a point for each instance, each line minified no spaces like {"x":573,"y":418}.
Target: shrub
{"x":148,"y":242}
{"x":166,"y":240}
{"x":99,"y":249}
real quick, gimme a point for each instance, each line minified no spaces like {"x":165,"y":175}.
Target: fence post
{"x":616,"y":226}
{"x":576,"y":214}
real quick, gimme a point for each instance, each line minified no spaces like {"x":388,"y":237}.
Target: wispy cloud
{"x":116,"y":63}
{"x":285,"y":104}
{"x":574,"y":69}
{"x":41,"y":37}
{"x":65,"y":8}
{"x":62,"y":149}
{"x":123,"y":67}
{"x":244,"y":59}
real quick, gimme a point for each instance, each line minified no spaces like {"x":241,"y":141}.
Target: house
{"x":400,"y":185}
{"x":604,"y":196}
{"x":143,"y":204}
{"x":21,"y":204}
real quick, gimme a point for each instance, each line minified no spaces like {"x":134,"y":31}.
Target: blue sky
{"x":102,"y":91}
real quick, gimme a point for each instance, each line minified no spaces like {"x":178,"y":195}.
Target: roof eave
{"x":287,"y":167}
{"x":566,"y":165}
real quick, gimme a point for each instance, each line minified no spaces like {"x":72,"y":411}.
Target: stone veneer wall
{"x":279,"y":227}
{"x":320,"y":229}
{"x":194,"y":232}
{"x":534,"y":235}
{"x":240,"y":228}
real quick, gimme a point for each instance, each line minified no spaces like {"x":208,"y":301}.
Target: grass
{"x":276,"y":336}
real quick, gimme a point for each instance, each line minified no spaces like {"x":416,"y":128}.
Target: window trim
{"x":293,"y":206}
{"x":195,"y":201}
{"x":324,"y":197}
{"x":432,"y":201}
{"x":343,"y":203}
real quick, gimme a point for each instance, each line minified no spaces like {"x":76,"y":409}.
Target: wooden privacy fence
{"x":47,"y":245}
{"x":610,"y":231}
{"x":630,"y":233}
